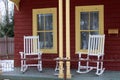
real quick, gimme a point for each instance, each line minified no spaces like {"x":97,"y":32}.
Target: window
{"x":45,"y":25}
{"x":88,"y":20}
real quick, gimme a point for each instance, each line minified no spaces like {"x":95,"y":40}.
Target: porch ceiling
{"x":16,"y":3}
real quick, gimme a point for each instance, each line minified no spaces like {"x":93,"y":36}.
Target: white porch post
{"x":68,"y":38}
{"x":61,"y":74}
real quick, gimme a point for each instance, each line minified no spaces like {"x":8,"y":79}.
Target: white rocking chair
{"x":31,"y":48}
{"x":95,"y":49}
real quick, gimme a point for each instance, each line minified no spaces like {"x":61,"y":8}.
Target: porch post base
{"x":68,"y":76}
{"x":61,"y":76}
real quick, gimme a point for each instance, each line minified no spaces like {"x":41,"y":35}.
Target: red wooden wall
{"x":23,"y":26}
{"x":111,"y":20}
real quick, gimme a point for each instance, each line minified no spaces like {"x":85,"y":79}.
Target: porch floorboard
{"x":48,"y":74}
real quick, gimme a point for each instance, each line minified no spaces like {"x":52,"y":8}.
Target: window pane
{"x":40,"y":24}
{"x":84,"y":20}
{"x":42,"y":43}
{"x":48,"y":22}
{"x":94,"y":33}
{"x":94,"y":20}
{"x":49,"y":39}
{"x":84,"y":40}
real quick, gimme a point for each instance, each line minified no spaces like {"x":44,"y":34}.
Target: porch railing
{"x":6,"y":47}
{"x":6,"y":65}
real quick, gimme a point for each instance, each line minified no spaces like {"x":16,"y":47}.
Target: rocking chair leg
{"x":57,"y":66}
{"x":79,"y":63}
{"x":39,"y":63}
{"x":39,"y":66}
{"x":86,"y":68}
{"x":100,"y":68}
{"x":21,"y":65}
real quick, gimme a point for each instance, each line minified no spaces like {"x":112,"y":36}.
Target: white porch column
{"x":68,"y":74}
{"x":61,"y":74}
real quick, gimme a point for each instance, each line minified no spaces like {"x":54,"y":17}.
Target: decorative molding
{"x":16,"y":2}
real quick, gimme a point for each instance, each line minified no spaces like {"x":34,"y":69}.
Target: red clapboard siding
{"x":23,"y":26}
{"x":111,"y":20}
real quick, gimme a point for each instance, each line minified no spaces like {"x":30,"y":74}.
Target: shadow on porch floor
{"x":48,"y":74}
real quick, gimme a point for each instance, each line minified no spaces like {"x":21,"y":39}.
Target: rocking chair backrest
{"x":96,"y":45}
{"x":31,"y":45}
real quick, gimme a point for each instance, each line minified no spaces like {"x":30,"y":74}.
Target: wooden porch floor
{"x":48,"y":74}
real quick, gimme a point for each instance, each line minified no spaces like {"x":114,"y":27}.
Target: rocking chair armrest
{"x":21,"y":53}
{"x":40,"y":52}
{"x":81,"y":52}
{"x":57,"y":58}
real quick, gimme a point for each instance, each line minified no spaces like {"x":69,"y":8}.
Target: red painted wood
{"x":112,"y":20}
{"x":23,"y":26}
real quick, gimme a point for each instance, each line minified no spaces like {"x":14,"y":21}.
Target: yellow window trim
{"x":79,"y":9}
{"x":46,"y":11}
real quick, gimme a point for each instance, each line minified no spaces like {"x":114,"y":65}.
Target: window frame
{"x":52,"y":11}
{"x":90,"y":8}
